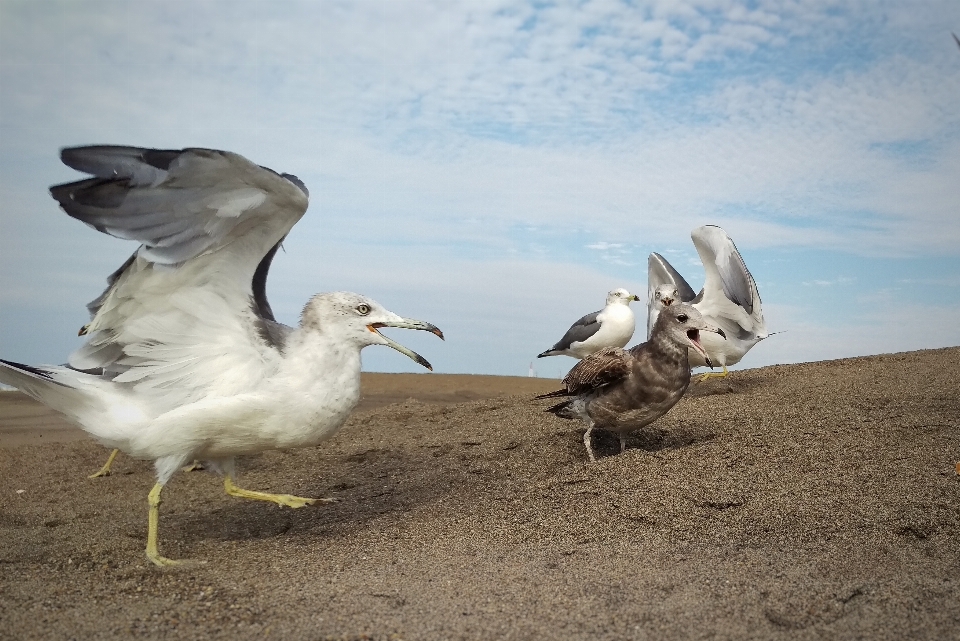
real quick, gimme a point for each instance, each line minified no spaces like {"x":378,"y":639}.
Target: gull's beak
{"x":406,"y":323}
{"x":694,"y":336}
{"x":634,"y":297}
{"x":667,"y":302}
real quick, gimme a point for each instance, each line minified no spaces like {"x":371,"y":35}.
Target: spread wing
{"x":661,"y":272}
{"x":190,"y":304}
{"x":601,"y":368}
{"x":728,"y":289}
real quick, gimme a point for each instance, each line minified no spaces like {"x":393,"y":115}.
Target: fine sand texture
{"x":814,"y":501}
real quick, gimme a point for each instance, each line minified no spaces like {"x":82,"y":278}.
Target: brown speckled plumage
{"x":623,"y":390}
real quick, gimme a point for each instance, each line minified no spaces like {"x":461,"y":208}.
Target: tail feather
{"x":562,"y":409}
{"x":46,"y":386}
{"x":27,"y":371}
{"x":559,"y":392}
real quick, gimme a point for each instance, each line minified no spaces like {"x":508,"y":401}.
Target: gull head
{"x":683,"y":324}
{"x":357,"y":319}
{"x":665,"y":295}
{"x":620,"y":295}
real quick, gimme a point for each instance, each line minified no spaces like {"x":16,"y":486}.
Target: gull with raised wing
{"x":729,"y":299}
{"x":184,"y":359}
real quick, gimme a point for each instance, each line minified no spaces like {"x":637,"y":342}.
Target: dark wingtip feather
{"x":259,"y":284}
{"x":97,"y":159}
{"x":29,"y":369}
{"x":299,"y":183}
{"x":559,"y":392}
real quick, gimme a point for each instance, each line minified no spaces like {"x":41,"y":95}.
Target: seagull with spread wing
{"x":622,"y":390}
{"x":729,"y":299}
{"x":184,"y":359}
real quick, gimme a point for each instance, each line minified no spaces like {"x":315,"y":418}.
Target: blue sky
{"x":497,"y":167}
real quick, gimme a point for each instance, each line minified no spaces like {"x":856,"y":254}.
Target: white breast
{"x":617,"y":324}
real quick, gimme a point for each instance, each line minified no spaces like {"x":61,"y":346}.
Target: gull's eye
{"x":363,"y":309}
{"x":682,"y":318}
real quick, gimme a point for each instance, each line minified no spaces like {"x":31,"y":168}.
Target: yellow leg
{"x":105,"y":470}
{"x":152,"y":521}
{"x":279,"y":499}
{"x":714,"y":375}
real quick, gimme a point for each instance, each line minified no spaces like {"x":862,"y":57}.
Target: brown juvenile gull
{"x":622,"y":390}
{"x":184,"y":359}
{"x":612,"y":326}
{"x":729,"y":298}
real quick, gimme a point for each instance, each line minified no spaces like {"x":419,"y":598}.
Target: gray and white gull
{"x":184,"y":359}
{"x":622,"y":390}
{"x":612,"y":326}
{"x":729,"y":298}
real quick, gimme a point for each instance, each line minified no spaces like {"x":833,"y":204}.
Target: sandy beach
{"x":790,"y":502}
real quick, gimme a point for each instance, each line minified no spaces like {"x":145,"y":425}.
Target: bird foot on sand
{"x":161,"y":561}
{"x":287,"y":500}
{"x":164,"y":562}
{"x":105,"y":470}
{"x":710,"y":375}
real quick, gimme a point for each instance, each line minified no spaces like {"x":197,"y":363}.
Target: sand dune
{"x":807,"y":501}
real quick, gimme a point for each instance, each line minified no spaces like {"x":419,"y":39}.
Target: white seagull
{"x":612,"y":326}
{"x":729,"y":298}
{"x":184,"y":359}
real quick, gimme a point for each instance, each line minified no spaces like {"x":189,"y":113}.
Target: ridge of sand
{"x":791,"y":502}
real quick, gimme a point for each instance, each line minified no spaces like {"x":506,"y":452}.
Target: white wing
{"x":661,"y":272}
{"x":189,"y":307}
{"x":729,"y":290}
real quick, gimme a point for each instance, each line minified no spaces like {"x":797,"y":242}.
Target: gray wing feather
{"x":273,"y":333}
{"x":737,"y":281}
{"x":661,"y":272}
{"x":140,"y":166}
{"x":94,"y":306}
{"x":178,"y":204}
{"x":578,"y":332}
